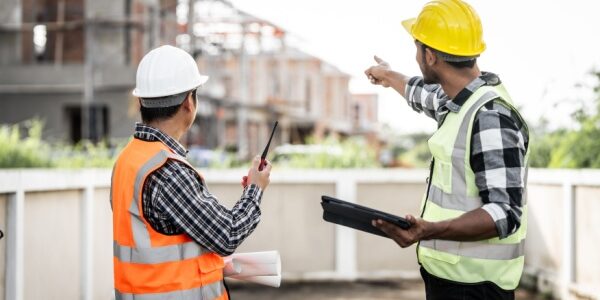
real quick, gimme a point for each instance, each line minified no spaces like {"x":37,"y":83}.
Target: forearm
{"x":397,"y":81}
{"x":215,"y":227}
{"x":245,"y":216}
{"x":471,"y":226}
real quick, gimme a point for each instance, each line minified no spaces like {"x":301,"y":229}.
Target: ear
{"x":188,"y":103}
{"x":430,"y":57}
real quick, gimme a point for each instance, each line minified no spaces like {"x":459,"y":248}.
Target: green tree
{"x":579,"y":148}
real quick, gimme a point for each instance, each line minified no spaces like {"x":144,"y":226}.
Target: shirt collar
{"x":486,"y":78}
{"x":150,"y":134}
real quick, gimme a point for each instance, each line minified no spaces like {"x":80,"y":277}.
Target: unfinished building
{"x":72,"y":63}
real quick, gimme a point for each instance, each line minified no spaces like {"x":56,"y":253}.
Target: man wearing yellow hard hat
{"x":472,"y":226}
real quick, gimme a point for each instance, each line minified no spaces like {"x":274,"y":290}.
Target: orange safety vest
{"x":148,"y":264}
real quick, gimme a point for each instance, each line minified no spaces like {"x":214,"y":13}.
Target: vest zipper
{"x":428,"y":180}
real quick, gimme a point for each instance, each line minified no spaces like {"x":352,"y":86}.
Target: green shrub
{"x":29,"y":151}
{"x":328,"y":154}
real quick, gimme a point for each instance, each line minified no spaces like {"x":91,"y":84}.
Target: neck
{"x":169,"y":127}
{"x":454,"y":81}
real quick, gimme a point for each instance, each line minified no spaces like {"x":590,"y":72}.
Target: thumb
{"x":411,"y":219}
{"x":378,"y":60}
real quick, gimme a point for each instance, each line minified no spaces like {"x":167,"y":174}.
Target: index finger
{"x":268,"y":166}
{"x":256,"y":161}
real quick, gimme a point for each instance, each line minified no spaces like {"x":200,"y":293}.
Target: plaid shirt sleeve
{"x":175,"y":201}
{"x":426,"y":98}
{"x":498,"y":144}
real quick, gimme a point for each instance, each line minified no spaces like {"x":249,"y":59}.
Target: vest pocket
{"x":211,"y":269}
{"x":210,"y":262}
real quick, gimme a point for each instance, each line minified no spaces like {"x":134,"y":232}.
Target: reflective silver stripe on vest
{"x":479,"y":249}
{"x":141,"y":235}
{"x":453,"y":201}
{"x":459,"y":182}
{"x":207,"y":292}
{"x":157,"y":255}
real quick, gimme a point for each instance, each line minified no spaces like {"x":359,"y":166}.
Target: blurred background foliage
{"x":22,"y":146}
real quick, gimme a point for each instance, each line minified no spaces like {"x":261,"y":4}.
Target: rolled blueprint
{"x":258,"y":267}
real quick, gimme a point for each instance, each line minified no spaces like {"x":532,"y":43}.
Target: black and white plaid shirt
{"x":498,"y":145}
{"x":175,"y":200}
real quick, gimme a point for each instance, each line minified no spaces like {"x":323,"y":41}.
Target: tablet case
{"x":357,"y":216}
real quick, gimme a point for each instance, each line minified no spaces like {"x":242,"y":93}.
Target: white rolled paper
{"x":258,"y":267}
{"x":231,"y":267}
{"x":273,"y":281}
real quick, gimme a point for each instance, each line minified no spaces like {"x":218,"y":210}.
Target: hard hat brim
{"x":202,"y":80}
{"x":408,"y":24}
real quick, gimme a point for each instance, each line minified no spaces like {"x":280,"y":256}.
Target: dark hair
{"x":444,"y":56}
{"x":162,"y":113}
{"x":463,"y":64}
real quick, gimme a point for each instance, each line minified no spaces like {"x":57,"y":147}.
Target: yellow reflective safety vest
{"x":453,"y":192}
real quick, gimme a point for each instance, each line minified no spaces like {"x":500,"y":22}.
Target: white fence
{"x":65,"y":216}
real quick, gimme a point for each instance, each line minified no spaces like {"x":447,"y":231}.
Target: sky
{"x":542,"y":50}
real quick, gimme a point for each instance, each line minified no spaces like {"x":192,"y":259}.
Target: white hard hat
{"x":167,"y":71}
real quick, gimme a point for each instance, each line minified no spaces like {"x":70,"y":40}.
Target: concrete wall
{"x":102,"y":228}
{"x":52,"y":239}
{"x":291,"y":223}
{"x":3,"y":217}
{"x":544,"y":231}
{"x":587,"y":235}
{"x":399,"y":199}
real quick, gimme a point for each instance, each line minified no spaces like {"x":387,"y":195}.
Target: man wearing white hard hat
{"x":170,"y":232}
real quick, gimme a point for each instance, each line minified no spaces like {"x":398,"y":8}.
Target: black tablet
{"x":357,"y":216}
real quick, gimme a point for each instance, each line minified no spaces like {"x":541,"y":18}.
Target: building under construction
{"x":72,"y":63}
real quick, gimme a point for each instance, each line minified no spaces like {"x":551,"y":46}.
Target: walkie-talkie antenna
{"x":263,"y":157}
{"x":264,"y":154}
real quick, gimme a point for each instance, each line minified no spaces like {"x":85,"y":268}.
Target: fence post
{"x":568,"y":245}
{"x":15,"y":245}
{"x":345,"y":238}
{"x":87,"y":241}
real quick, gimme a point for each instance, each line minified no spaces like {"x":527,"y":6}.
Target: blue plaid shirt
{"x":176,"y":200}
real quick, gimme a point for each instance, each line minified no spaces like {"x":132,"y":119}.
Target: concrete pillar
{"x":109,"y":41}
{"x":10,"y":42}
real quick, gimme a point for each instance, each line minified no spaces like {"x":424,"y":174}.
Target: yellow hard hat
{"x":449,"y":26}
